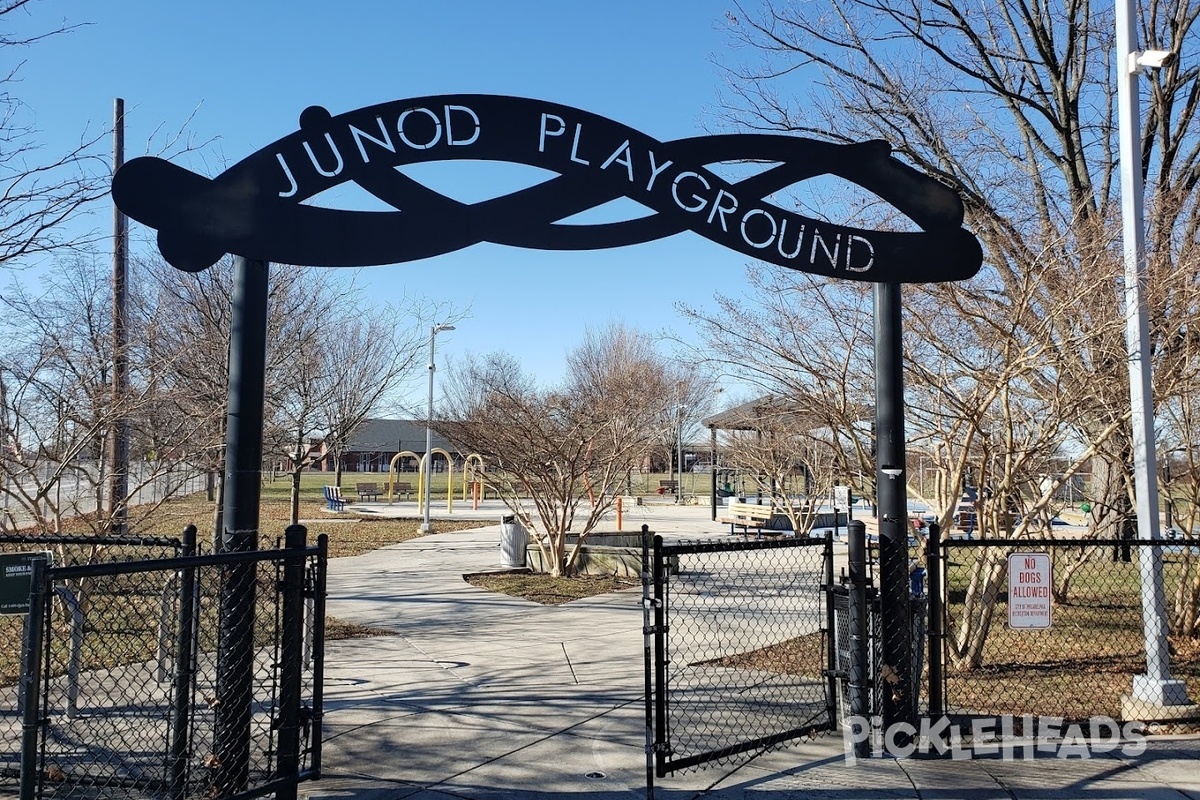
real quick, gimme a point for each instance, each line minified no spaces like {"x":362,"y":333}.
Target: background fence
{"x":1082,"y":664}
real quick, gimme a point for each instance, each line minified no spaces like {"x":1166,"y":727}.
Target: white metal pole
{"x":434,"y":330}
{"x":679,"y":457}
{"x":1154,"y":687}
{"x":425,"y":526}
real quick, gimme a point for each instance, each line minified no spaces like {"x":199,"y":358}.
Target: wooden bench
{"x":366,"y":490}
{"x":668,"y":486}
{"x":334,"y":500}
{"x":401,"y":488}
{"x":747,"y":516}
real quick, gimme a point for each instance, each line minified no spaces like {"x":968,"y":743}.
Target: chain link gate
{"x":737,"y":649}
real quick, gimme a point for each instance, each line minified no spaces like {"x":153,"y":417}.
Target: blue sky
{"x":238,"y":74}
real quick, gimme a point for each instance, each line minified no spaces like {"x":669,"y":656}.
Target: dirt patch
{"x":340,"y":629}
{"x":545,"y":589}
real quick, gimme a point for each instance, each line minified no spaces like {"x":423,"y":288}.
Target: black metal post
{"x":181,"y":689}
{"x":31,"y":680}
{"x":856,"y":611}
{"x":318,"y":674}
{"x":291,"y":659}
{"x":243,"y":465}
{"x":119,"y":454}
{"x":648,"y":655}
{"x":831,"y":650}
{"x":937,"y":620}
{"x":890,"y":477}
{"x":660,"y":654}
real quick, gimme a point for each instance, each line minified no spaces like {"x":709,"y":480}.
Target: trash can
{"x":916,"y":582}
{"x":513,"y":541}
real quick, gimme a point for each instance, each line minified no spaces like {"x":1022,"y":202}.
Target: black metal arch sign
{"x":256,"y":208}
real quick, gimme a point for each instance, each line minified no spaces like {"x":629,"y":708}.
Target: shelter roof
{"x":749,"y":416}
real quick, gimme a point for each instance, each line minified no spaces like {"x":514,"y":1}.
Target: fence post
{"x":648,"y":654}
{"x":291,"y":659}
{"x":31,"y":677}
{"x":75,"y":657}
{"x":831,"y":659}
{"x":934,"y":564}
{"x":859,"y":700}
{"x":318,"y":669}
{"x":660,"y":650}
{"x":184,"y":667}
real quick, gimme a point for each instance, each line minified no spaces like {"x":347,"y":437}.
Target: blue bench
{"x":333,"y":499}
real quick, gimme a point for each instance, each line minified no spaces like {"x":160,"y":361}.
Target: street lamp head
{"x":445,"y":326}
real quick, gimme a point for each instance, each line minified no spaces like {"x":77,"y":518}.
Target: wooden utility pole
{"x":118,"y":471}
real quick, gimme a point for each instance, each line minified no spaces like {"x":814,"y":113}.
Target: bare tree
{"x":39,"y":191}
{"x":369,"y":356}
{"x":1013,"y":106}
{"x":58,"y":408}
{"x":807,"y":344}
{"x":559,"y":457}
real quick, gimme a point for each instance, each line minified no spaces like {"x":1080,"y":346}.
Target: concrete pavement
{"x":481,"y":695}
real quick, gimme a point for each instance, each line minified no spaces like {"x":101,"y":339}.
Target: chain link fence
{"x":196,"y":676}
{"x":1053,"y":628}
{"x":63,"y":551}
{"x":741,"y":655}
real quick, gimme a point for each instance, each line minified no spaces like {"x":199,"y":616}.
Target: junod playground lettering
{"x":257,"y":208}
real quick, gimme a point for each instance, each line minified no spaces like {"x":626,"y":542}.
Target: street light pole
{"x":679,"y":456}
{"x":434,"y":330}
{"x":1155,"y":687}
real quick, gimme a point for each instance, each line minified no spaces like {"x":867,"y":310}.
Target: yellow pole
{"x":421,"y":483}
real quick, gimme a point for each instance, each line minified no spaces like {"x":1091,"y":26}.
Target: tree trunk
{"x":295,"y":498}
{"x":978,"y":609}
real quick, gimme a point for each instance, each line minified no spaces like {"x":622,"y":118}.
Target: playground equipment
{"x":422,"y":472}
{"x":394,"y":471}
{"x":472,"y":479}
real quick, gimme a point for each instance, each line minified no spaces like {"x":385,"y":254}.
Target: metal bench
{"x":333,"y":499}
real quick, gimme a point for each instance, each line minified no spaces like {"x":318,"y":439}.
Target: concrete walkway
{"x":485,"y":696}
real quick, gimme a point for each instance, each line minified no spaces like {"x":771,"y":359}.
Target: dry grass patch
{"x":546,"y":589}
{"x":803,"y":655}
{"x":340,"y":629}
{"x":350,"y":534}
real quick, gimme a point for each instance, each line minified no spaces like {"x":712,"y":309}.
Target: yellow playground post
{"x":394,"y":470}
{"x":449,"y":480}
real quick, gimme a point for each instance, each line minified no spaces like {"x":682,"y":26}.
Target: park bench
{"x":667,"y":486}
{"x":401,"y":488}
{"x":333,"y":498}
{"x":747,"y":516}
{"x":366,"y":490}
